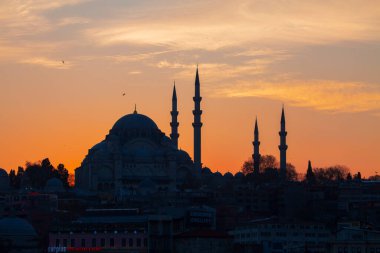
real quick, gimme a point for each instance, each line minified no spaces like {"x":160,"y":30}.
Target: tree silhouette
{"x":291,"y":173}
{"x":358,"y":176}
{"x":12,"y":178}
{"x":266,"y":161}
{"x":39,"y":173}
{"x":17,"y":180}
{"x":374,"y":178}
{"x":269,"y":167}
{"x":63,"y":174}
{"x":331,"y":174}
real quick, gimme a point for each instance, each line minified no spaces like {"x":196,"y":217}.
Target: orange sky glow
{"x":320,"y":59}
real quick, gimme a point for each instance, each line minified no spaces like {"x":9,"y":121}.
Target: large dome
{"x":134,"y":121}
{"x":13,"y":226}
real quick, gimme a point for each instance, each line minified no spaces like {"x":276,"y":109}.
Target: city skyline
{"x":66,"y":67}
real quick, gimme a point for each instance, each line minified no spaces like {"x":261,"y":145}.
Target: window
{"x":130,"y":243}
{"x":112,"y":242}
{"x":102,"y":242}
{"x":138,"y":242}
{"x":83,"y":243}
{"x":56,"y":242}
{"x":123,"y":242}
{"x":93,"y":244}
{"x":64,"y":242}
{"x":72,"y":242}
{"x":145,"y":242}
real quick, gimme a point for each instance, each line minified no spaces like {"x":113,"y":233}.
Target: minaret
{"x":310,"y":176}
{"x":197,"y":124}
{"x":174,"y":124}
{"x":283,"y":147}
{"x":309,"y":167}
{"x":256,"y":150}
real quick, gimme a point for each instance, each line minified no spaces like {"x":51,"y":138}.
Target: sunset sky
{"x":320,"y":59}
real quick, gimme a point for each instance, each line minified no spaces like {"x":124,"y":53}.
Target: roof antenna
{"x":135,"y":112}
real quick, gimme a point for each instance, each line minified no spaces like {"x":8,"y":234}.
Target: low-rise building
{"x":203,"y":241}
{"x":355,"y":238}
{"x":272,"y":235}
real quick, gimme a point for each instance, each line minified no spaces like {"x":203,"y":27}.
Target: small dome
{"x":134,"y":121}
{"x":239,"y":175}
{"x":218,"y":174}
{"x":13,"y":226}
{"x":3,"y":173}
{"x":206,"y":171}
{"x":228,"y":175}
{"x":54,"y":185}
{"x":183,"y":156}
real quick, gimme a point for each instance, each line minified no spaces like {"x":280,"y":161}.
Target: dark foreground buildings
{"x":136,"y":191}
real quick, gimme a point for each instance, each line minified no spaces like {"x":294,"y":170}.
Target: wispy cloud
{"x":136,"y":72}
{"x":254,"y":63}
{"x":235,"y":43}
{"x":48,"y":63}
{"x":318,"y":94}
{"x":26,"y":18}
{"x":136,"y":57}
{"x":232,"y":24}
{"x":73,"y":21}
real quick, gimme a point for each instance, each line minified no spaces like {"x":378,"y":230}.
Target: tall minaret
{"x":174,"y":124}
{"x":283,"y":147}
{"x":197,"y":124}
{"x":256,"y":150}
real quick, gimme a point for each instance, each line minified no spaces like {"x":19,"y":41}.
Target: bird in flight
{"x":123,"y":93}
{"x":63,"y":62}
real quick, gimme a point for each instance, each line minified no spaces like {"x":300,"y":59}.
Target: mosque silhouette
{"x":137,"y":158}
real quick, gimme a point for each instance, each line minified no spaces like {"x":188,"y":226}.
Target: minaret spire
{"x":283,"y":147}
{"x":256,"y":150}
{"x":197,"y":124}
{"x":174,"y":124}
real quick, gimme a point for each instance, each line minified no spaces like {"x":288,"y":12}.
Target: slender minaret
{"x":283,"y":147}
{"x":197,"y":124}
{"x":174,"y":124}
{"x":256,"y":150}
{"x":309,"y":167}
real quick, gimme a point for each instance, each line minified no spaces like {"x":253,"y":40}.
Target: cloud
{"x":136,"y":57}
{"x":323,"y":95}
{"x":234,"y":43}
{"x":136,"y":72}
{"x":26,"y":18}
{"x":48,"y":63}
{"x":233,"y":24}
{"x":247,"y":64}
{"x":73,"y":21}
